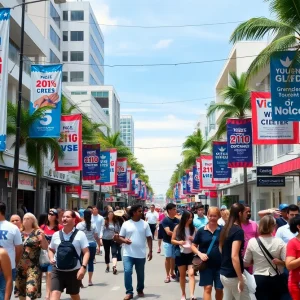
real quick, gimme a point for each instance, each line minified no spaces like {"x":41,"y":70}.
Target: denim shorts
{"x":211,"y":276}
{"x":169,"y":250}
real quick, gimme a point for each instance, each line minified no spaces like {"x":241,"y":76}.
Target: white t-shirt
{"x":152,"y":217}
{"x":99,"y":223}
{"x":10,"y":237}
{"x":80,"y":242}
{"x":90,"y":234}
{"x":284,"y":233}
{"x":137,"y":232}
{"x":221,"y":222}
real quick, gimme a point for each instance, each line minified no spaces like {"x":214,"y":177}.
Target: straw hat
{"x":119,"y":213}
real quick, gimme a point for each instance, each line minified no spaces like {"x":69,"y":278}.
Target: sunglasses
{"x":51,"y":213}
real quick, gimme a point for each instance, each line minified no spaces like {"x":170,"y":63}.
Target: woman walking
{"x":231,"y":245}
{"x":92,"y":235}
{"x":206,"y":246}
{"x":111,"y":229}
{"x":182,"y":237}
{"x":28,"y":271}
{"x":266,"y":271}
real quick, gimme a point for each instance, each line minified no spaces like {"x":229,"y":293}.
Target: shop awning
{"x":288,"y":168}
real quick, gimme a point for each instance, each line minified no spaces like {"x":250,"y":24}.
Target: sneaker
{"x":141,"y":294}
{"x":107,"y":270}
{"x":173,"y":278}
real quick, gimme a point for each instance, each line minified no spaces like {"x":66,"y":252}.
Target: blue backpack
{"x":66,"y":255}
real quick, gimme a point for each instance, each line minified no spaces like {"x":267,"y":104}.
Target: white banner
{"x":206,"y":172}
{"x":4,"y":42}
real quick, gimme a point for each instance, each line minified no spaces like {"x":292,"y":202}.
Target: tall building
{"x":127,"y":131}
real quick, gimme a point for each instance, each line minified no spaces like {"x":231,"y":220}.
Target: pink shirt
{"x":250,"y":231}
{"x":161,"y":216}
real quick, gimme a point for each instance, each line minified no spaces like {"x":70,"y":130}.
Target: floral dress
{"x":28,"y":270}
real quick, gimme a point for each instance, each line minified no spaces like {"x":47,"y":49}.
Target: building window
{"x":54,"y":38}
{"x":78,"y":93}
{"x":77,"y":15}
{"x":100,"y":94}
{"x":76,"y":36}
{"x":65,"y":56}
{"x":76,"y":76}
{"x":96,"y":30}
{"x":96,"y":50}
{"x":65,"y":15}
{"x":53,"y":58}
{"x":65,"y":76}
{"x":96,"y":69}
{"x":54,"y":15}
{"x":76,"y":56}
{"x":65,"y":36}
{"x":92,"y":80}
{"x":284,"y":149}
{"x":265,"y":153}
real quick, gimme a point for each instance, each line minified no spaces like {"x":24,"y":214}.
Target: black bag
{"x":66,"y":254}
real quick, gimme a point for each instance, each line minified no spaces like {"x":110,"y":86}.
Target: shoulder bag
{"x":198,"y":263}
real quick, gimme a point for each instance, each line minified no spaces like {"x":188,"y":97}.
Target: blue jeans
{"x":139,"y":263}
{"x":92,"y":248}
{"x":3,"y":283}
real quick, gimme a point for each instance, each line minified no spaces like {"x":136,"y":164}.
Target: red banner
{"x":73,"y":189}
{"x":206,"y":172}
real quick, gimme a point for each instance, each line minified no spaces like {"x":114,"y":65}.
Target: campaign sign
{"x":71,"y":144}
{"x":189,"y":181}
{"x":121,"y":173}
{"x":128,"y":182}
{"x":221,"y":172}
{"x":4,"y":42}
{"x":136,"y":185}
{"x":239,"y":140}
{"x":265,"y":129}
{"x":132,"y":182}
{"x":285,"y":86}
{"x":183,"y":183}
{"x":196,"y":182}
{"x":90,"y":162}
{"x":46,"y":81}
{"x":206,"y":173}
{"x":108,"y":172}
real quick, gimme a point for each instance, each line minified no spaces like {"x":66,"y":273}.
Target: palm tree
{"x":285,"y":28}
{"x":194,"y":146}
{"x":35,"y":148}
{"x":237,"y":103}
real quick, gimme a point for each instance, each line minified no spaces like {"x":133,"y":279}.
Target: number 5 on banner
{"x":47,"y":119}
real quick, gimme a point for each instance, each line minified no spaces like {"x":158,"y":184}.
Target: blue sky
{"x":167,"y":125}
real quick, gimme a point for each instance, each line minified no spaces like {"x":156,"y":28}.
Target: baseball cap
{"x":223,"y":207}
{"x":283,"y":206}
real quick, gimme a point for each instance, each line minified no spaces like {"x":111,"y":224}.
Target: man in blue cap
{"x":283,"y":219}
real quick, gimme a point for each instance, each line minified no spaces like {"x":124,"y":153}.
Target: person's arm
{"x":85,"y":260}
{"x":248,"y":258}
{"x":43,"y":242}
{"x":19,"y":250}
{"x":149,"y":242}
{"x":292,"y":261}
{"x":236,"y":246}
{"x":194,"y":247}
{"x":51,"y":253}
{"x":18,"y":245}
{"x":173,"y":239}
{"x":7,"y":273}
{"x":123,"y":234}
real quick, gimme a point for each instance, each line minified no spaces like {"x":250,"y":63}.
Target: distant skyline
{"x":167,"y":125}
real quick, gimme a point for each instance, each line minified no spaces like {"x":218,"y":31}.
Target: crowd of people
{"x":231,"y":253}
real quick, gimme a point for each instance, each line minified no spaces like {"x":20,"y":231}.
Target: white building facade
{"x":127,"y":131}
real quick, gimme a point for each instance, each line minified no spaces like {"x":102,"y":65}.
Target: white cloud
{"x":163,"y":44}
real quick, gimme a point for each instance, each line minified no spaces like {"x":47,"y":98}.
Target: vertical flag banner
{"x":121,"y":173}
{"x":239,"y":139}
{"x":221,"y":172}
{"x":196,"y":182}
{"x":265,"y":129}
{"x":128,"y":180}
{"x":136,"y":186}
{"x":206,"y":173}
{"x":91,"y":162}
{"x":189,"y":181}
{"x":285,"y":79}
{"x":4,"y":42}
{"x":183,"y":183}
{"x":46,"y":81}
{"x":71,"y":144}
{"x":108,"y":171}
{"x":132,"y":192}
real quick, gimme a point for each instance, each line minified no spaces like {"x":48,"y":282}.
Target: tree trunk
{"x":14,"y":197}
{"x":246,"y":196}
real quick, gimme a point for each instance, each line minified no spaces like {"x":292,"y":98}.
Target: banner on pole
{"x":71,"y":144}
{"x":239,"y":139}
{"x":4,"y":42}
{"x":108,"y":172}
{"x":196,"y":181}
{"x":206,"y":172}
{"x":265,"y":129}
{"x":74,"y":189}
{"x":91,"y":161}
{"x":133,"y":174}
{"x":46,"y":81}
{"x":221,"y":172}
{"x":183,"y":183}
{"x":128,"y":182}
{"x":285,"y":86}
{"x":121,"y":173}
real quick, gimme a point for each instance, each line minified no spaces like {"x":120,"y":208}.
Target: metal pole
{"x":79,"y":196}
{"x":13,"y":208}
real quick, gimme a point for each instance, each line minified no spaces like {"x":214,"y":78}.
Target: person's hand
{"x":80,"y":273}
{"x":203,"y":256}
{"x":52,"y":261}
{"x":101,"y":244}
{"x":149,"y":255}
{"x":53,"y":98}
{"x":41,"y":236}
{"x":181,"y":243}
{"x":191,"y":238}
{"x":241,"y":285}
{"x":277,"y":261}
{"x":128,"y":241}
{"x":37,"y":103}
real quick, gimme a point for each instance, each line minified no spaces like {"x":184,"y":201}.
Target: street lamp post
{"x":14,"y":194}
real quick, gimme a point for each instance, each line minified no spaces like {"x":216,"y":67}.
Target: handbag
{"x":198,"y":263}
{"x":44,"y":258}
{"x":251,"y":283}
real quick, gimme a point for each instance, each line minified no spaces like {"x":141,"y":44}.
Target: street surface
{"x":111,"y":287}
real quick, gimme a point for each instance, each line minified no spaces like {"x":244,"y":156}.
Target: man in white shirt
{"x":284,"y":232}
{"x":11,"y":241}
{"x":134,"y":234}
{"x":98,"y":220}
{"x":152,"y":219}
{"x":62,"y":278}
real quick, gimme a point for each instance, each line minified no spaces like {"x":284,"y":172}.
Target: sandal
{"x":167,"y":280}
{"x":91,"y":284}
{"x":158,"y":251}
{"x":115,"y":271}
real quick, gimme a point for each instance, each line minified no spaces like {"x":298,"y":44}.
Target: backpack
{"x":66,"y":255}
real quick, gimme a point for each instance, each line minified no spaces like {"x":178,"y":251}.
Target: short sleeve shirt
{"x":203,"y":239}
{"x":50,"y":231}
{"x":90,"y":234}
{"x":171,"y":223}
{"x":236,"y":233}
{"x":284,"y":233}
{"x":293,"y":250}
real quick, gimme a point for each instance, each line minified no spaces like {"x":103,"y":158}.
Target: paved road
{"x":111,"y":287}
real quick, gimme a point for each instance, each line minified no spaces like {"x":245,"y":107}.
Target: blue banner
{"x":189,"y":182}
{"x":108,"y":173}
{"x":46,"y":92}
{"x":239,"y":140}
{"x":183,"y":183}
{"x":196,"y":182}
{"x":220,"y":161}
{"x":121,"y":173}
{"x":176,"y":191}
{"x":140,"y":188}
{"x":91,"y":162}
{"x":285,"y":86}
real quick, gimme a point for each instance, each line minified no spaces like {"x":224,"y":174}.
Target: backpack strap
{"x":73,"y":235}
{"x":61,"y":236}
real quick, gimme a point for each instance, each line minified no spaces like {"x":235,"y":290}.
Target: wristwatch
{"x":84,"y":266}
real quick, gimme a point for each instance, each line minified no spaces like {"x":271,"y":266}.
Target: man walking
{"x":152,"y":219}
{"x":64,"y":253}
{"x":134,"y":234}
{"x":200,"y":220}
{"x":98,"y":220}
